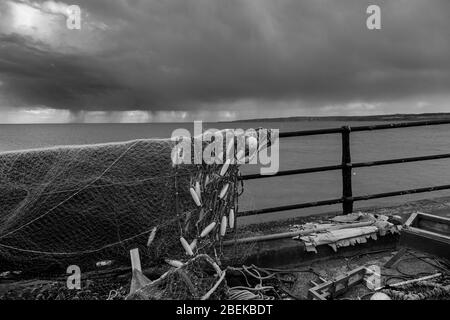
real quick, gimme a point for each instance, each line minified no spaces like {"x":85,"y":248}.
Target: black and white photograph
{"x":231,"y":156}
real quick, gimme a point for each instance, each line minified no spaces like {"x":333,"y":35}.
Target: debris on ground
{"x":199,"y":278}
{"x":346,"y":230}
{"x":416,"y":275}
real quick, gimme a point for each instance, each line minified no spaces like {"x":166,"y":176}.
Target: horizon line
{"x":374,"y":117}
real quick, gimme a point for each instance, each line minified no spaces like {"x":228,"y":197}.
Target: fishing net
{"x":82,"y":204}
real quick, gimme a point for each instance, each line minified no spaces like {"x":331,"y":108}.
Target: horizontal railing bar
{"x":336,"y":201}
{"x":400,"y":193}
{"x":400,"y":125}
{"x":302,"y":133}
{"x":290,"y":207}
{"x":400,"y":160}
{"x":364,"y":128}
{"x":339,"y":167}
{"x":291,"y":172}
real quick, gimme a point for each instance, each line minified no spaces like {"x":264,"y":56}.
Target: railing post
{"x":347,"y":194}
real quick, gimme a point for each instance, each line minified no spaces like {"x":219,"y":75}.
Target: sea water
{"x":298,"y":152}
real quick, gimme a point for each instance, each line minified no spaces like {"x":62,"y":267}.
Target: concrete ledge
{"x":285,"y":252}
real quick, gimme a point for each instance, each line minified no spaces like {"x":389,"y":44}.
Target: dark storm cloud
{"x":37,"y":76}
{"x":181,"y":54}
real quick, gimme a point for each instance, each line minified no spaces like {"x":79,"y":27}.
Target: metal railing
{"x":346,"y":167}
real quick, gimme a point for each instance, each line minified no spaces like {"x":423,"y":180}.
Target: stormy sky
{"x":173,"y":60}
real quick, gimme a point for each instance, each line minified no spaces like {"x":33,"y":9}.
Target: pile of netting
{"x":83,"y":204}
{"x":56,"y":289}
{"x":201,"y":278}
{"x":198,"y":279}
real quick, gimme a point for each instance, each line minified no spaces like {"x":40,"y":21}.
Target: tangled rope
{"x":269,"y":283}
{"x":418,"y":291}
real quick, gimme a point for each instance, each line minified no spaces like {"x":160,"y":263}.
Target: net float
{"x":207,"y":230}
{"x":225,"y":167}
{"x":195,"y":197}
{"x":252,"y":146}
{"x":252,"y":143}
{"x":201,"y":215}
{"x":104,"y":263}
{"x":174,"y":159}
{"x":224,"y":191}
{"x":380,"y":296}
{"x":230,"y":147}
{"x":186,"y":227}
{"x":198,"y":190}
{"x":177,"y":155}
{"x":151,"y":237}
{"x":240,"y":157}
{"x":223,"y":226}
{"x":231,"y":219}
{"x":174,"y":263}
{"x":186,"y":246}
{"x":193,"y":244}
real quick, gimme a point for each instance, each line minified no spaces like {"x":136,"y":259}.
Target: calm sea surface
{"x":299,"y":152}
